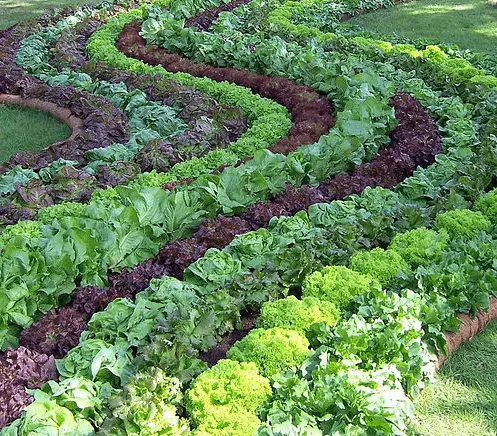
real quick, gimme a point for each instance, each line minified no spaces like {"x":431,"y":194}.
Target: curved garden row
{"x":186,"y":205}
{"x":140,"y":353}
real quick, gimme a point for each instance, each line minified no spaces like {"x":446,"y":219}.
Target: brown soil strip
{"x":63,"y":114}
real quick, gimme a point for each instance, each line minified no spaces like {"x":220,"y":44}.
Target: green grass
{"x":13,"y":11}
{"x":468,"y":23}
{"x":24,"y":129}
{"x":464,"y":401}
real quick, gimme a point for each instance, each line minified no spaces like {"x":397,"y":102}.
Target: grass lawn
{"x":464,"y":401}
{"x":467,"y":23}
{"x":28,"y":130}
{"x":13,"y":11}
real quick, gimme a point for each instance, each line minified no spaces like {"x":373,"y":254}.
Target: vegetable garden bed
{"x":267,"y":224}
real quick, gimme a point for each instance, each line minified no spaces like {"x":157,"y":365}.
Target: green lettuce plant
{"x":338,"y":284}
{"x":223,"y":399}
{"x":272,"y":350}
{"x":462,"y":222}
{"x":293,"y":314}
{"x":387,"y":266}
{"x":420,"y":246}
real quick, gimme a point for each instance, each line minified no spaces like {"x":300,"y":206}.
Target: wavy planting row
{"x":32,"y":230}
{"x":311,"y":114}
{"x":195,"y":107}
{"x":100,"y":127}
{"x":445,"y":71}
{"x":193,"y":201}
{"x":450,"y":76}
{"x":235,"y":48}
{"x":415,"y":142}
{"x":439,"y":185}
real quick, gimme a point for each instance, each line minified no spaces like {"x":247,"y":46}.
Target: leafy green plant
{"x":224,"y":398}
{"x":147,"y":406}
{"x":420,"y":246}
{"x":27,"y":229}
{"x":338,"y":285}
{"x":84,"y":398}
{"x":47,"y":417}
{"x":387,"y":266}
{"x":272,"y":350}
{"x":337,"y":397}
{"x":293,"y":314}
{"x":463,"y":222}
{"x":96,"y":360}
{"x":487,"y":205}
{"x":463,"y":273}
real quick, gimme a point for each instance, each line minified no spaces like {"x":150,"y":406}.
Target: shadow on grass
{"x":467,"y":23}
{"x":13,"y":11}
{"x":455,"y":416}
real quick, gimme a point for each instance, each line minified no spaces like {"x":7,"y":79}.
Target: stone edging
{"x":468,"y":329}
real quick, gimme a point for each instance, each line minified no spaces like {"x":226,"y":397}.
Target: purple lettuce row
{"x":201,"y":136}
{"x":70,"y":51}
{"x":311,"y":112}
{"x":21,"y":369}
